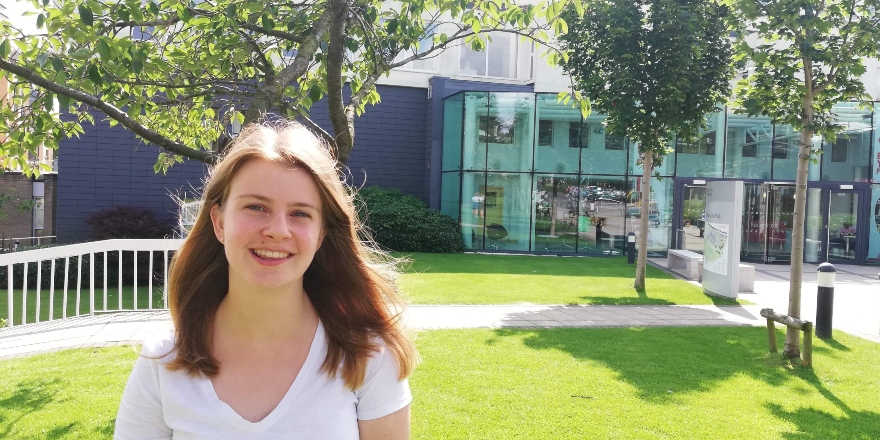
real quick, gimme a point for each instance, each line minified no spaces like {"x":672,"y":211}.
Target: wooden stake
{"x":808,"y":345}
{"x":771,"y":335}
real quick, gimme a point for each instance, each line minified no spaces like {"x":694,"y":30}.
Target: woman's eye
{"x":254,"y":207}
{"x":301,"y":214}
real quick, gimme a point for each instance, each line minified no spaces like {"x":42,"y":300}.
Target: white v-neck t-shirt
{"x":162,"y":404}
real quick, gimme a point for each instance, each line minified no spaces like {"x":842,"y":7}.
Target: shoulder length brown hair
{"x":349,"y":283}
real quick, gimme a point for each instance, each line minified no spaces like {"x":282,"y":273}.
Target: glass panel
{"x":875,"y":156}
{"x":601,"y":153}
{"x":843,"y":209}
{"x":660,"y":212}
{"x":667,"y":168}
{"x":601,"y":219}
{"x":472,"y":209}
{"x":472,"y":62}
{"x":874,"y":238}
{"x":558,"y":136}
{"x":453,"y":130}
{"x":499,"y":55}
{"x":508,"y":130}
{"x":476,"y":106}
{"x":847,"y":159}
{"x":748,"y":147}
{"x":753,"y":243}
{"x":507,"y":215}
{"x":450,"y":185}
{"x":784,"y":152}
{"x":556,"y":213}
{"x":814,"y":227}
{"x":703,"y":157}
{"x":780,"y":206}
{"x":693,"y":218}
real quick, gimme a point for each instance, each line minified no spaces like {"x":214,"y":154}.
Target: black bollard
{"x":631,"y":248}
{"x":15,"y":248}
{"x":825,"y":300}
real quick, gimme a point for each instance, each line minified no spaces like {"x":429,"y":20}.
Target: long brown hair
{"x":350,"y":283}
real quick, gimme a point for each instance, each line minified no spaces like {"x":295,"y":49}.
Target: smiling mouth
{"x":270,"y":255}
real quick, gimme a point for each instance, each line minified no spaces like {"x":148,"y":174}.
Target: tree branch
{"x":340,"y":117}
{"x":111,"y":111}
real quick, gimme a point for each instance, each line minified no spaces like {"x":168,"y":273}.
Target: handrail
{"x":61,"y":256}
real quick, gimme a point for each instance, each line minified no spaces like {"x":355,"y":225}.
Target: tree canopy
{"x":656,"y":68}
{"x":803,"y":57}
{"x":179,"y":73}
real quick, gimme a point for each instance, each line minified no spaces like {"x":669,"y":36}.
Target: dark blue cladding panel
{"x":107,"y":166}
{"x":389,"y":144}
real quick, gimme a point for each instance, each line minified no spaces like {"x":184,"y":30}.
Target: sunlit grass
{"x":505,"y":279}
{"x":58,"y":305}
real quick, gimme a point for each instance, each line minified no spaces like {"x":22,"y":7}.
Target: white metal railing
{"x":105,"y":250}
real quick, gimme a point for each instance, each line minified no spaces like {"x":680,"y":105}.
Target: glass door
{"x":842,"y":226}
{"x":779,"y":210}
{"x":754,"y":208}
{"x":693,"y":217}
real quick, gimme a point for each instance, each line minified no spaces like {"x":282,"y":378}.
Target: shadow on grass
{"x":613,"y":267}
{"x":29,"y":396}
{"x":657,"y":360}
{"x":641,"y":300}
{"x":817,"y":424}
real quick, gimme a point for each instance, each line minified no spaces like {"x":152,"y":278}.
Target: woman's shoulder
{"x":159,"y":346}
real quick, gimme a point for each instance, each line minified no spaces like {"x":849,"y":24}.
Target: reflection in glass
{"x":814,"y":226}
{"x":693,"y":218}
{"x":554,"y":151}
{"x":754,"y":228}
{"x":666,"y":168}
{"x":474,"y":151}
{"x":452,"y":132}
{"x":602,"y":214}
{"x":748,"y":147}
{"x":507,"y":211}
{"x":847,"y":158}
{"x":780,"y":208}
{"x":472,"y":209}
{"x":508,"y":130}
{"x":602,"y":153}
{"x":659,"y":212}
{"x":784,"y":153}
{"x":704,"y":156}
{"x":556,"y":213}
{"x":842,"y":224}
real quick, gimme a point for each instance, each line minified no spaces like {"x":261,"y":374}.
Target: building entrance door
{"x":842,"y":226}
{"x":767,"y":222}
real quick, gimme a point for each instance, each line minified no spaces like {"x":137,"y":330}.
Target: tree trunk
{"x":553,"y":207}
{"x":642,"y":260}
{"x":792,"y":335}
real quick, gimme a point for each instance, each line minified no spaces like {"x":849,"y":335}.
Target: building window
{"x":780,"y":148}
{"x":578,"y":135}
{"x":704,"y":145}
{"x":497,"y":59}
{"x":613,"y":143}
{"x":496,"y":130}
{"x":429,"y":64}
{"x":142,"y":32}
{"x":545,"y":133}
{"x":750,"y":148}
{"x":838,"y":150}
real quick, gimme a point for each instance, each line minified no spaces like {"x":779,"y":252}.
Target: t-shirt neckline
{"x":309,"y":368}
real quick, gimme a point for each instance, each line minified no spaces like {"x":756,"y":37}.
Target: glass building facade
{"x":524,"y":173}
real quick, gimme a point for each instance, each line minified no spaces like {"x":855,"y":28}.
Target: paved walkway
{"x":857,"y":311}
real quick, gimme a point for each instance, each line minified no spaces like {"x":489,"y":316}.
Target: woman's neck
{"x":264,"y":316}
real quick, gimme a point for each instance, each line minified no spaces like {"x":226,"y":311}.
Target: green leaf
{"x":82,"y":53}
{"x":268,"y":23}
{"x":85,"y":15}
{"x":315,"y":94}
{"x":154,"y":8}
{"x":57,"y":64}
{"x":63,"y":102}
{"x":231,"y":11}
{"x":4,"y":49}
{"x":40,"y":20}
{"x":95,"y":75}
{"x":104,"y":50}
{"x":42,"y":58}
{"x":137,"y":66}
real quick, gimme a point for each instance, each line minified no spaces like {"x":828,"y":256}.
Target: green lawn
{"x":58,"y":302}
{"x":632,"y":383}
{"x":504,"y":279}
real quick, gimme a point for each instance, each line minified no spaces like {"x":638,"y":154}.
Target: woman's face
{"x":271,"y":225}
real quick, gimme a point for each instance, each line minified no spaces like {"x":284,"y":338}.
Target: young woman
{"x":286,"y":324}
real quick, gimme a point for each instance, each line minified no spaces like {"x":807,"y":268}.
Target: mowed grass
{"x":629,"y":383}
{"x":58,"y":305}
{"x":507,"y":279}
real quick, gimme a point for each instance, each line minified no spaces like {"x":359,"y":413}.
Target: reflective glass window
{"x":476,"y":107}
{"x":847,"y":158}
{"x":555,"y":224}
{"x":704,"y":156}
{"x":659,"y":212}
{"x":602,"y":153}
{"x":473,"y":209}
{"x":506,"y":215}
{"x":453,"y":130}
{"x":557,"y":147}
{"x":874,"y":228}
{"x":507,"y":129}
{"x":450,"y":188}
{"x":666,"y":168}
{"x":602,"y":214}
{"x":784,"y":153}
{"x":747,"y":153}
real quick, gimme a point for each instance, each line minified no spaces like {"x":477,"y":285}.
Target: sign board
{"x":723,"y":238}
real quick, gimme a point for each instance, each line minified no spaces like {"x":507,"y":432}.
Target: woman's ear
{"x":217,"y":221}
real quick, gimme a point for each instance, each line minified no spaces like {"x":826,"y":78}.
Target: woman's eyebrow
{"x":268,"y":200}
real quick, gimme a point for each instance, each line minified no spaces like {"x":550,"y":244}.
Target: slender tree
{"x":178,"y":73}
{"x":656,"y":68}
{"x":804,"y":56}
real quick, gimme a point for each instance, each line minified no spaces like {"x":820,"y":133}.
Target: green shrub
{"x":403,"y":223}
{"x":128,"y":222}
